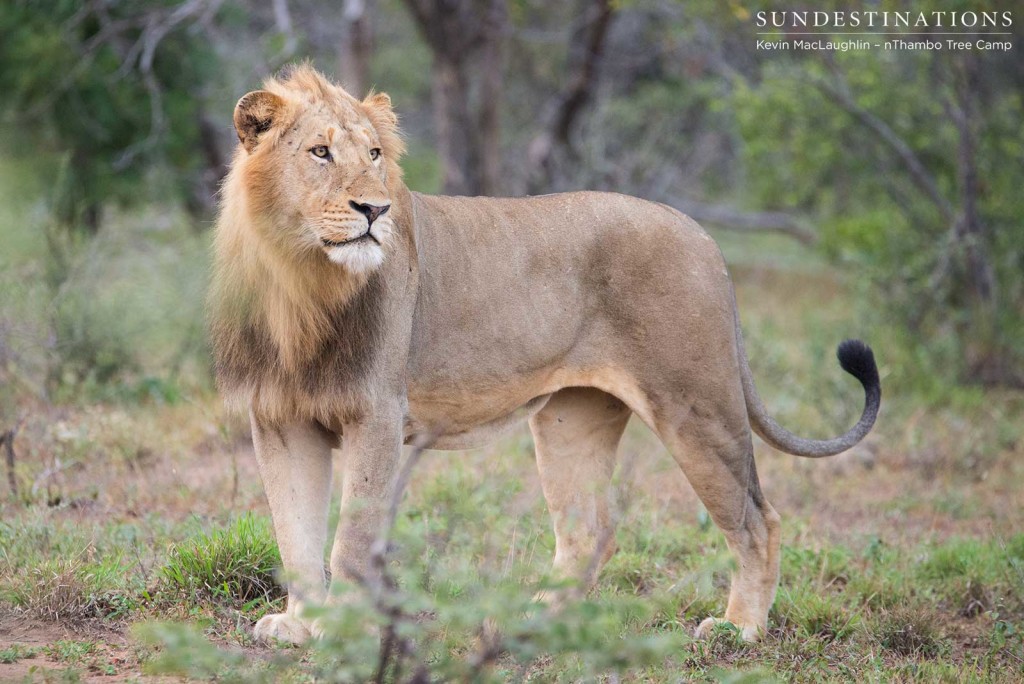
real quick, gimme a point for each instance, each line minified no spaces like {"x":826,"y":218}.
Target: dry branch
{"x":731,"y":218}
{"x":10,"y":457}
{"x":839,"y":93}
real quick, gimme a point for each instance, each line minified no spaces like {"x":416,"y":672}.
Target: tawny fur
{"x":460,"y":318}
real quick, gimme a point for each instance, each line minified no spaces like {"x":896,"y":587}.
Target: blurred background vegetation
{"x":901,"y":170}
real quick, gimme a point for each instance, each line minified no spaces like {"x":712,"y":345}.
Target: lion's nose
{"x":371,"y":211}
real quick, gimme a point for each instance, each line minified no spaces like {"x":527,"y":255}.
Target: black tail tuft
{"x":858,"y":360}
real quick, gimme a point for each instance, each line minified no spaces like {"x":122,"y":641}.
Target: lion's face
{"x":334,"y":171}
{"x":318,"y":167}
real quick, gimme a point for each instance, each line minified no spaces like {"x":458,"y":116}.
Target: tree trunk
{"x":354,"y":58}
{"x":585,"y":51}
{"x":970,"y":230}
{"x":465,"y":38}
{"x":491,"y":88}
{"x":453,"y":126}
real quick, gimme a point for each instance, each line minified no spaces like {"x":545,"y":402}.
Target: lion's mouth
{"x":350,"y":241}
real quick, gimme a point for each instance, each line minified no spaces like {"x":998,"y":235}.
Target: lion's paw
{"x":281,"y":627}
{"x":749,"y":633}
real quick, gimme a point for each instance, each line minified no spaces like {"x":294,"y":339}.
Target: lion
{"x":348,"y":312}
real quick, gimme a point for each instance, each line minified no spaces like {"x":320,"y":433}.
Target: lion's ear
{"x":380,"y":104}
{"x":385,"y":121}
{"x":254,"y":114}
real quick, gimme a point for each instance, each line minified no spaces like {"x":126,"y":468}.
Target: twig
{"x":746,"y":221}
{"x":383,"y":587}
{"x":7,"y":440}
{"x":44,"y":477}
{"x":387,"y":583}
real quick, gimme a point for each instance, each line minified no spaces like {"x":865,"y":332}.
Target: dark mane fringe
{"x":248,"y":361}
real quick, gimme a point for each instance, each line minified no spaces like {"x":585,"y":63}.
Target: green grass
{"x":236,"y":564}
{"x":15,"y":653}
{"x":473,"y":542}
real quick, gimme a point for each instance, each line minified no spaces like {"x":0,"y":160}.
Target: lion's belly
{"x":464,"y":417}
{"x":448,"y":427}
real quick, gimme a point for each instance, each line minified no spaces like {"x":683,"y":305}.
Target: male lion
{"x":347,"y":310}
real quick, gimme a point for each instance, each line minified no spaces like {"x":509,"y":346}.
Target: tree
{"x":354,"y":57}
{"x":466,"y":40}
{"x":113,"y":87}
{"x":913,"y":181}
{"x":586,"y":50}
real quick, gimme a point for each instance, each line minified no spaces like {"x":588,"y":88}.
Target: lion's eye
{"x":375,"y":153}
{"x":321,"y":152}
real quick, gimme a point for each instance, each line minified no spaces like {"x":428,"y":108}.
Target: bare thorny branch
{"x":840,"y":93}
{"x":396,"y":650}
{"x":964,"y":225}
{"x":7,"y":442}
{"x":140,"y":57}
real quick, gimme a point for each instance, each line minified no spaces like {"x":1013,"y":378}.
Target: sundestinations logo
{"x":882,"y":19}
{"x":846,"y":30}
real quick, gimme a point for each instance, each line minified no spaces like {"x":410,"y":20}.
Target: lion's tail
{"x":857,"y":359}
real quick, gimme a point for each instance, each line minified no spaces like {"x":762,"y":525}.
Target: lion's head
{"x":311,"y":207}
{"x":319,"y":168}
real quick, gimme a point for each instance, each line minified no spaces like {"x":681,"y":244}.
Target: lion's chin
{"x":363,"y":256}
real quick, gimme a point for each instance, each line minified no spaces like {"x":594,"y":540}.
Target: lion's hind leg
{"x":577,"y":434}
{"x":711,"y":441}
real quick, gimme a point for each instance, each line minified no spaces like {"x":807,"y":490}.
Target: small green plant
{"x":186,"y":653}
{"x":236,"y":564}
{"x":17,"y":652}
{"x":71,"y":652}
{"x":950,"y":560}
{"x":633,"y":573}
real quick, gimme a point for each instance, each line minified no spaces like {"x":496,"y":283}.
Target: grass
{"x":910,"y":632}
{"x":15,"y":653}
{"x":857,"y":608}
{"x":869,"y":592}
{"x":235,"y":564}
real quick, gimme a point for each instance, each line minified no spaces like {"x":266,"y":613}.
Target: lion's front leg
{"x":295,"y":466}
{"x":371,"y":450}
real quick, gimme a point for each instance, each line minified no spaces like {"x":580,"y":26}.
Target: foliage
{"x":472,"y":543}
{"x":89,"y":83}
{"x":805,"y":147}
{"x":127,"y":104}
{"x":121,"y":318}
